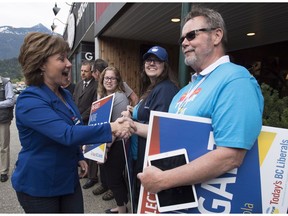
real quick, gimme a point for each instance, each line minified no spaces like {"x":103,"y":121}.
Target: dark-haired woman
{"x":158,"y":88}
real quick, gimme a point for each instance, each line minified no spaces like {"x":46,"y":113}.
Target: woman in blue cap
{"x":158,"y":88}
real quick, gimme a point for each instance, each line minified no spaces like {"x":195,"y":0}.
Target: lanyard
{"x":75,"y":119}
{"x":189,"y":94}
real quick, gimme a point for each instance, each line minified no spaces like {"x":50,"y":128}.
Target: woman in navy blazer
{"x":46,"y":178}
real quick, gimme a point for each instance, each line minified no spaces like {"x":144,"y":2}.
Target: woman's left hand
{"x":84,"y":168}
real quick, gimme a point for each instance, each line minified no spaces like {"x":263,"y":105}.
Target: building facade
{"x":121,"y":33}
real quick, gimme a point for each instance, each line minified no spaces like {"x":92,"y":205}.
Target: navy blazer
{"x":84,"y":99}
{"x":47,"y":164}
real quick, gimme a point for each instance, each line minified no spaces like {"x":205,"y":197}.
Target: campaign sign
{"x":100,"y":113}
{"x":258,"y":186}
{"x":273,"y":152}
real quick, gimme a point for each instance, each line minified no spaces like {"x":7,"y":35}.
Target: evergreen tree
{"x":11,"y":68}
{"x":275,"y":112}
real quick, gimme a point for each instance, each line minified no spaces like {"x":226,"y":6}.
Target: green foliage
{"x":275,"y":112}
{"x":12,"y":69}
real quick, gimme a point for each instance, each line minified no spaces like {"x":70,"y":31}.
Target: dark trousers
{"x":103,"y":176}
{"x":114,"y":170}
{"x":92,"y":169}
{"x":71,"y":203}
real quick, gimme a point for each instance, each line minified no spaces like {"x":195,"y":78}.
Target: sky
{"x":30,"y":13}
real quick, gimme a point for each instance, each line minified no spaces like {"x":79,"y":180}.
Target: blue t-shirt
{"x":231,"y":97}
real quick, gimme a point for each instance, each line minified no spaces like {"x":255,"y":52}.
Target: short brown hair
{"x":88,"y":62}
{"x":213,"y":19}
{"x":35,"y":50}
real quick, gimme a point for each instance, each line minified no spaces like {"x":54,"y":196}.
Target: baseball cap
{"x":158,"y":51}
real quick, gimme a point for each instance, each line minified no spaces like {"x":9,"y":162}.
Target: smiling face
{"x":66,"y":79}
{"x":198,"y":52}
{"x":56,"y":70}
{"x":110,"y":81}
{"x":153,"y":67}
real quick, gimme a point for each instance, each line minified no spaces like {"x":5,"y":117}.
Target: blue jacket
{"x":47,"y":164}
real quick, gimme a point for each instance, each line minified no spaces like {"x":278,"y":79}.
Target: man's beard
{"x":190,"y":61}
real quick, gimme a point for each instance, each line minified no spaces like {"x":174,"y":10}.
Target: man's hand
{"x":123,"y":127}
{"x":152,"y":179}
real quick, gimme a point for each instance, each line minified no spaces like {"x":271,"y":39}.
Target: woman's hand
{"x":83,"y":167}
{"x":123,"y":127}
{"x":128,"y":113}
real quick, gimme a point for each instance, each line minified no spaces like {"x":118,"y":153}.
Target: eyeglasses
{"x":192,"y":34}
{"x":110,"y":79}
{"x":150,"y":60}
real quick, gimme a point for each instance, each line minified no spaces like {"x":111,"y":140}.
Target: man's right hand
{"x":123,"y":127}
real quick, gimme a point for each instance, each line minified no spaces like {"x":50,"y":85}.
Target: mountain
{"x":12,"y":38}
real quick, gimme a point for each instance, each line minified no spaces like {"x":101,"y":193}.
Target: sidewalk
{"x":8,"y":199}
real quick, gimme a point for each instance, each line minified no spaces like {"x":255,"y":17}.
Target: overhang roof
{"x":151,"y":22}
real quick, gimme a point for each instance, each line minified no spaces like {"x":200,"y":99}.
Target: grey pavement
{"x":8,"y":199}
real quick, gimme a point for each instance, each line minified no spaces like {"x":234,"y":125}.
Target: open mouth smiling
{"x":65,"y":73}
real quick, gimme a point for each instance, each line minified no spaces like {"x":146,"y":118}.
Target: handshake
{"x":123,"y":127}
